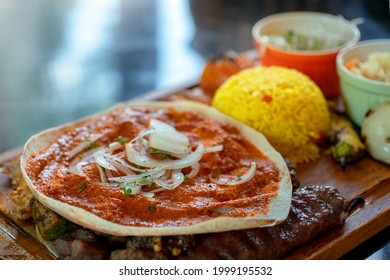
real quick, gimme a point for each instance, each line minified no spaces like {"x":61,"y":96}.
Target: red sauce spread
{"x":195,"y":200}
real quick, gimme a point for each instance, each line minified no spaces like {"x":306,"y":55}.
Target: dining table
{"x":66,"y":59}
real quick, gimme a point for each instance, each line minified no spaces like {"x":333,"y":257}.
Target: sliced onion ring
{"x":102,"y":161}
{"x":83,"y":145}
{"x":137,"y":158}
{"x":242,"y":179}
{"x":213,"y":149}
{"x":194,"y":171}
{"x":177,"y":179}
{"x":164,"y":173}
{"x":143,"y":176}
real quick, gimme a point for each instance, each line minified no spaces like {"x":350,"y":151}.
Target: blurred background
{"x":64,"y":59}
{"x":61,"y":60}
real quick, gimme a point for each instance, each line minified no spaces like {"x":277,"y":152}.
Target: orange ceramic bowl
{"x":319,"y":65}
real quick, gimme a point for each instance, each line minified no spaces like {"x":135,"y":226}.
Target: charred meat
{"x":314,"y":211}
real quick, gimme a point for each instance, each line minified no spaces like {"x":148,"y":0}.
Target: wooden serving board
{"x":367,"y":179}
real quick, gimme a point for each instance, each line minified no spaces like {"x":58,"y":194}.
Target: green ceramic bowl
{"x":359,"y":93}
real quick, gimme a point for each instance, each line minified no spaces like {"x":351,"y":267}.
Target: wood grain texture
{"x":17,"y":242}
{"x":366,"y":178}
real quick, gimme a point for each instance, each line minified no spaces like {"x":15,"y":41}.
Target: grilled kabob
{"x":347,"y":146}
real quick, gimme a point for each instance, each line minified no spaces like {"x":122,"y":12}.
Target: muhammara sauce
{"x":195,"y":200}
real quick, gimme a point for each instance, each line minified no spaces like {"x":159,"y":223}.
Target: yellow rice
{"x":283,"y":104}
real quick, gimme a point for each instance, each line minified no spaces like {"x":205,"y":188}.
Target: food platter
{"x":365,"y":185}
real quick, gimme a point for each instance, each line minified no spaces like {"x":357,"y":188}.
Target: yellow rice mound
{"x":283,"y":104}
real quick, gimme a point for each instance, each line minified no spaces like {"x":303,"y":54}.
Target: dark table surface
{"x":61,"y":60}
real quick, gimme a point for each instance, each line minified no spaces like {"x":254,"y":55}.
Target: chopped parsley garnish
{"x":151,"y":208}
{"x":134,"y":183}
{"x":82,"y":188}
{"x":166,"y":156}
{"x":127,"y":191}
{"x":122,"y":141}
{"x":91,"y":146}
{"x":185,"y":177}
{"x":239,"y":177}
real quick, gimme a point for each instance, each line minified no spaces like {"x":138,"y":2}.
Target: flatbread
{"x":278,"y":209}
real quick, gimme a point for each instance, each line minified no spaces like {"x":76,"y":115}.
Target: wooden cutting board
{"x":366,"y":179}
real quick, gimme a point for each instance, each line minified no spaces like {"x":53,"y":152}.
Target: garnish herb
{"x":151,"y":208}
{"x":239,"y":177}
{"x":82,"y":188}
{"x":166,"y":156}
{"x":90,"y":146}
{"x":134,"y":183}
{"x":122,"y":141}
{"x":127,"y":191}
